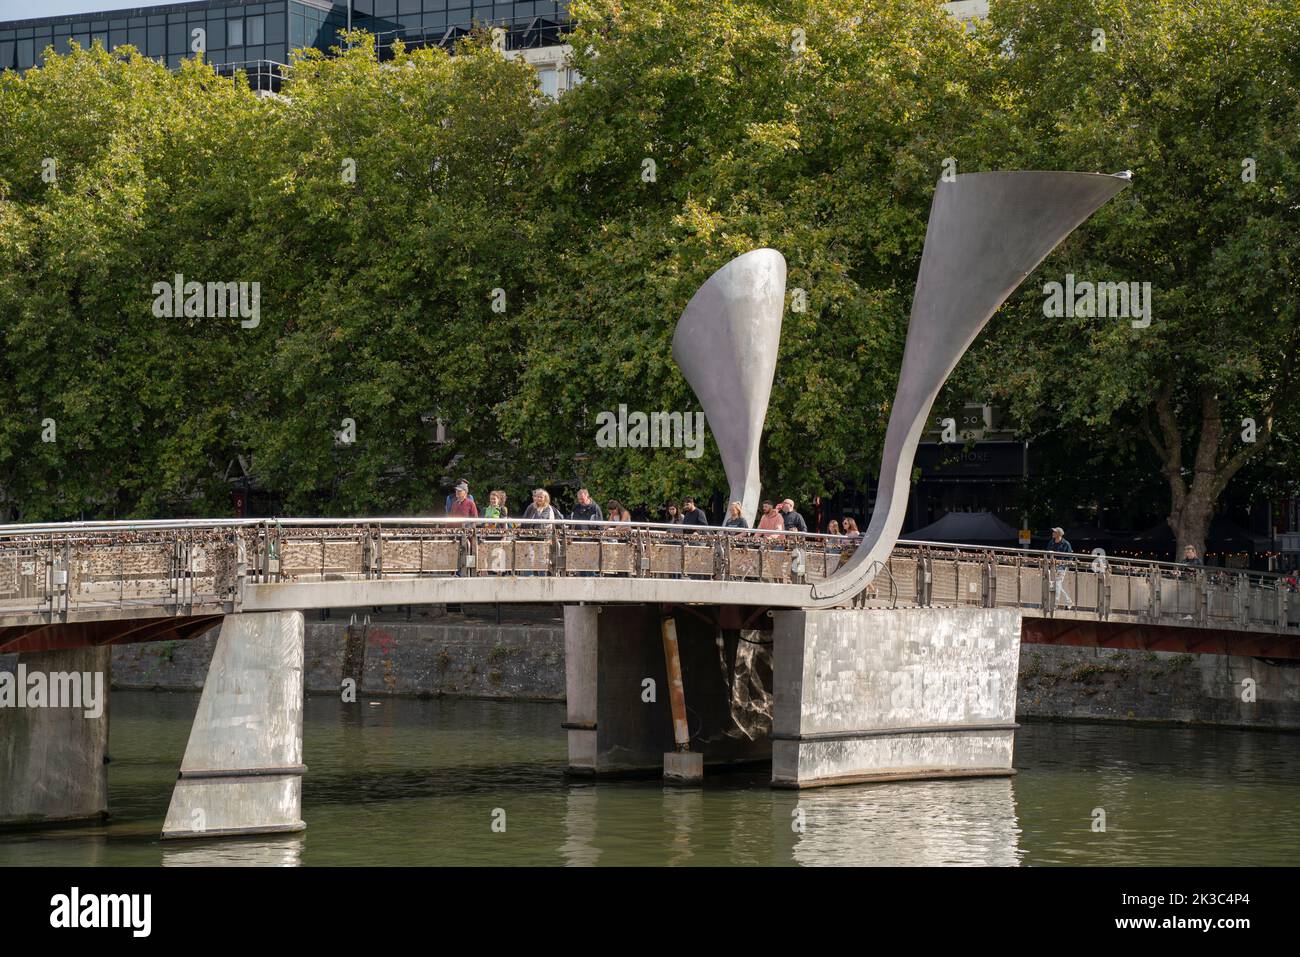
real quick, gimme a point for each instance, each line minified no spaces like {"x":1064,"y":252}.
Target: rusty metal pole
{"x":676,"y":691}
{"x":680,"y":765}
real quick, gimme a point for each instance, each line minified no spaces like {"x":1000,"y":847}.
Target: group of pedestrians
{"x":779,"y":516}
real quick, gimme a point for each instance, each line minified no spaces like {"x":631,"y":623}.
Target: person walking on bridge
{"x":772,"y":519}
{"x":451,"y":499}
{"x":692,"y":515}
{"x":541,"y":507}
{"x":736,"y":517}
{"x":463,"y":505}
{"x":793,"y":520}
{"x":1061,"y":545}
{"x":586,"y":510}
{"x":496,"y":505}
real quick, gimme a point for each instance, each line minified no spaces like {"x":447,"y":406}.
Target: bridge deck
{"x":114,"y":571}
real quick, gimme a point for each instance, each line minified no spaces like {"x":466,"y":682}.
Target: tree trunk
{"x":1216,"y":462}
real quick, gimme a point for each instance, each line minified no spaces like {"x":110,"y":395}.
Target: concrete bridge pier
{"x":893,"y":694}
{"x":620,"y":695}
{"x":54,"y":747}
{"x":242,"y":771}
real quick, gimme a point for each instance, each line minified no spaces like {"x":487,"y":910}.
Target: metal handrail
{"x":53,"y":568}
{"x":218,"y":524}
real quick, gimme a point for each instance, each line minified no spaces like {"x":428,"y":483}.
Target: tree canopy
{"x":434,"y":240}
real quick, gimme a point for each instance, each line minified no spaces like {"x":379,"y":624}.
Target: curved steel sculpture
{"x":987,"y":233}
{"x":726,"y":345}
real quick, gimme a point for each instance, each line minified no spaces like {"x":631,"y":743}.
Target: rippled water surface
{"x":420,"y":782}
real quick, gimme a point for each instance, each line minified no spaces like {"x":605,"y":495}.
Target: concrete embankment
{"x":523,"y":657}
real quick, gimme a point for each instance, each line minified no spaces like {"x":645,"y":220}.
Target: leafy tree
{"x":704,"y":130}
{"x":1200,"y":101}
{"x":116,"y":174}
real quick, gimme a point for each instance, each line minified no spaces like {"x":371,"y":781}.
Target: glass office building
{"x":257,"y":36}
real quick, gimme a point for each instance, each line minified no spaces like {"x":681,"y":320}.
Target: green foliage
{"x":817,"y":127}
{"x":1183,"y":95}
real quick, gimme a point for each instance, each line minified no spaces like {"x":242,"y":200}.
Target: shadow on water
{"x":447,"y":781}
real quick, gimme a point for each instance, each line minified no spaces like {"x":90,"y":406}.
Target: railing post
{"x":1202,"y":595}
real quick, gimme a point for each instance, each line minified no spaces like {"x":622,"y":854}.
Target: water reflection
{"x":414,"y":783}
{"x":579,"y":848}
{"x":968,"y":822}
{"x":283,"y":851}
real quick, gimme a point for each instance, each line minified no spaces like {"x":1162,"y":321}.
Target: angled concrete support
{"x":242,"y":771}
{"x":53,"y":747}
{"x":878,"y":695}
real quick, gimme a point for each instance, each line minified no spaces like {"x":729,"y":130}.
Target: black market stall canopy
{"x":1224,"y":537}
{"x":967,"y":528}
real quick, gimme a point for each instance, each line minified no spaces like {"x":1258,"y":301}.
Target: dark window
{"x":102,"y":38}
{"x":157,"y":44}
{"x":136,"y":37}
{"x":26,"y":53}
{"x":407,"y":7}
{"x":385,"y":8}
{"x":275,"y":30}
{"x":83,"y":39}
{"x":178,"y":39}
{"x":433,"y":21}
{"x":276,"y":51}
{"x":7,"y":50}
{"x":117,"y":38}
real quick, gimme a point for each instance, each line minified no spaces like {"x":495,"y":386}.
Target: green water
{"x":420,"y":783}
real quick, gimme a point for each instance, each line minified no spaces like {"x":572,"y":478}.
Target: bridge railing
{"x":55,"y":569}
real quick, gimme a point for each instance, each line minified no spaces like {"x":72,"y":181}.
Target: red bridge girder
{"x":1150,"y":637}
{"x":58,"y":635}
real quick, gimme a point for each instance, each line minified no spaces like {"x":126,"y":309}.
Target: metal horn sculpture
{"x":987,"y":233}
{"x":726,"y":344}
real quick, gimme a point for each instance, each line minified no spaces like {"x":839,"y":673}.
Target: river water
{"x":422,"y":782}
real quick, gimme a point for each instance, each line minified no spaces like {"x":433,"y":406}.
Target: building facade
{"x":257,"y":37}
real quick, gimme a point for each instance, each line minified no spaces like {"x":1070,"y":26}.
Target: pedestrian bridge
{"x":72,"y":585}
